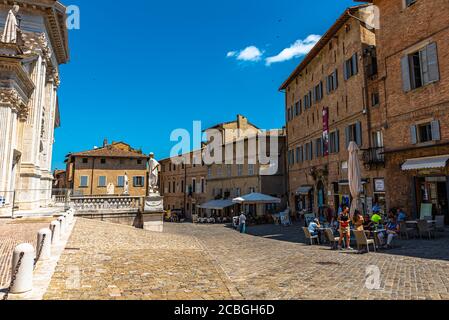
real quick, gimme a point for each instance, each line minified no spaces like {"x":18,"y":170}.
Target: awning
{"x":346,"y":182}
{"x":217,"y":204}
{"x":257,"y":198}
{"x":304,"y":190}
{"x":426,"y":163}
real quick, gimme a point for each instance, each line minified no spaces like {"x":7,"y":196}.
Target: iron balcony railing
{"x":374,"y":156}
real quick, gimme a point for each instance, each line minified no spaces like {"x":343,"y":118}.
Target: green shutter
{"x":436,"y":134}
{"x":413,"y":134}
{"x":405,"y":66}
{"x":432,"y":63}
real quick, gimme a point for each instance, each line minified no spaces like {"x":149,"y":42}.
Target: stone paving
{"x":106,"y":261}
{"x":13,"y":233}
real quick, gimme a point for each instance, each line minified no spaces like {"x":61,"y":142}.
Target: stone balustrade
{"x":106,"y":204}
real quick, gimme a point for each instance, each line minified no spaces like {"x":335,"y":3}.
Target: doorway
{"x":434,"y":190}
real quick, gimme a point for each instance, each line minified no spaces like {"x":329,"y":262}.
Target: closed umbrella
{"x":354,"y":175}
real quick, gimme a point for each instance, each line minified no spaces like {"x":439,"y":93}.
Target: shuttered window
{"x":420,"y":68}
{"x":334,"y":142}
{"x":102,"y":181}
{"x":425,"y":132}
{"x":351,"y":67}
{"x":354,"y":133}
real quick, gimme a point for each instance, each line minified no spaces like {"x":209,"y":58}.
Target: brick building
{"x":102,"y":171}
{"x":183,"y":185}
{"x":331,"y":100}
{"x":413,"y":86}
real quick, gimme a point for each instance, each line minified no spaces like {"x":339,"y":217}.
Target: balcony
{"x":374,"y":157}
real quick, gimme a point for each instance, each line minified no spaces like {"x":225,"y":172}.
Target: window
{"x":298,"y":108}
{"x":84,"y":181}
{"x":318,"y":92}
{"x":120,"y":181}
{"x":408,"y":3}
{"x":334,"y":142}
{"x":354,"y":133}
{"x":306,"y":102}
{"x":240,"y":170}
{"x":309,"y":151}
{"x":251,"y":169}
{"x":420,"y":68}
{"x":319,"y":147}
{"x":85,"y":160}
{"x":193,"y":185}
{"x":182,"y":186}
{"x":103,"y":161}
{"x":375,"y":100}
{"x":203,"y":185}
{"x":229,"y":169}
{"x":332,"y":82}
{"x":139,"y":161}
{"x":426,"y":132}
{"x":378,"y":139}
{"x":209,"y":172}
{"x":139,"y":181}
{"x":351,"y":67}
{"x":102,"y":181}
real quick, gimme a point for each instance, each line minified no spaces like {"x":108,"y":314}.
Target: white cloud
{"x":297,"y":49}
{"x":250,"y":53}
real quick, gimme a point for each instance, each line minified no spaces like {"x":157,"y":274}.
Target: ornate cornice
{"x":12,"y":98}
{"x":55,"y":16}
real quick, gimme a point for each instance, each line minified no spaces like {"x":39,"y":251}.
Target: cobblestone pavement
{"x":215,"y":262}
{"x":13,"y":233}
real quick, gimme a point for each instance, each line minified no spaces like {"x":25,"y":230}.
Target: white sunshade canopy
{"x":425,"y":163}
{"x":256,"y":198}
{"x":217,"y":204}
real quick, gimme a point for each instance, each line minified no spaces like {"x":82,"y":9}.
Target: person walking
{"x":242,"y":223}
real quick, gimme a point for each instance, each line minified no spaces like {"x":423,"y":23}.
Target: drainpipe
{"x":92,"y":178}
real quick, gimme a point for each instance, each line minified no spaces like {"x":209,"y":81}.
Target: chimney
{"x":242,"y":121}
{"x":105,"y":143}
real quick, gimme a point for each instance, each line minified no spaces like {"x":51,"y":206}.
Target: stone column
{"x":5,"y":119}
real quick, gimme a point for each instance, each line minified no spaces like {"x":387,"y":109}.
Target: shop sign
{"x":379,"y":185}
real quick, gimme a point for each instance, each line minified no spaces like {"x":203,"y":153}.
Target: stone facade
{"x":336,"y":81}
{"x":414,"y":91}
{"x":29,"y":80}
{"x":90,"y":173}
{"x":189,"y":184}
{"x":184,"y":185}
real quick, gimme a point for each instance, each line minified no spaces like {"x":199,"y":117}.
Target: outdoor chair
{"x":426,"y":229}
{"x":309,"y":237}
{"x":404,"y":230}
{"x":440,"y":225}
{"x":333,"y":240}
{"x":362,"y":241}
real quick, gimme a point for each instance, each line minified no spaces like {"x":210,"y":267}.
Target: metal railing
{"x":374,"y":156}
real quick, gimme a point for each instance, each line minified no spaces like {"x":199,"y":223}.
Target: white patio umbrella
{"x":354,"y":176}
{"x":257,"y":198}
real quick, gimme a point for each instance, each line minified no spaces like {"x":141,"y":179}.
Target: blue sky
{"x":139,"y":71}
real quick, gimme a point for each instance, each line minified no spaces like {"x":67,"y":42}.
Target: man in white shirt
{"x":242,"y":223}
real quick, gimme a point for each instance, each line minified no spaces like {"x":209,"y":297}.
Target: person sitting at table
{"x":358,"y":221}
{"x":314,"y":227}
{"x":402,"y":216}
{"x":376,"y":219}
{"x":345,"y":229}
{"x":391,"y":232}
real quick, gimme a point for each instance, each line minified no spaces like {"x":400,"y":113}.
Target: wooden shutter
{"x":335,"y":80}
{"x":345,"y":70}
{"x":358,"y":137}
{"x":328,"y":85}
{"x":355,"y":64}
{"x":413,"y":134}
{"x":424,"y":66}
{"x":436,"y":134}
{"x":432,"y":63}
{"x":405,"y":66}
{"x":337,"y":141}
{"x":348,"y":138}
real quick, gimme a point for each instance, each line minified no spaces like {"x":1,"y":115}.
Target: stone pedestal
{"x":154,"y":203}
{"x":153,"y":217}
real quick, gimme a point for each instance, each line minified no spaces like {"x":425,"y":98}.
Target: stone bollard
{"x":44,"y":245}
{"x":23,"y":273}
{"x":55,"y":227}
{"x":62,"y":224}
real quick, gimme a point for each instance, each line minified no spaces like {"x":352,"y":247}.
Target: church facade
{"x":33,"y":45}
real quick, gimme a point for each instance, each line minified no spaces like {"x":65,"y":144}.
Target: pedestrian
{"x":242,"y":223}
{"x":345,"y":229}
{"x":358,"y":221}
